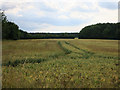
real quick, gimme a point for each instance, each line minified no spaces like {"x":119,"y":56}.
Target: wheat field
{"x":60,"y":63}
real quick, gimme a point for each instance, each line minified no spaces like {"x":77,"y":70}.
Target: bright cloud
{"x":59,"y":15}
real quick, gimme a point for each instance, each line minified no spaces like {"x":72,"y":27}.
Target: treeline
{"x":98,"y":31}
{"x":48,"y":35}
{"x":101,"y":31}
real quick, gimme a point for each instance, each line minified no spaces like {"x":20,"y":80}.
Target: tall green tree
{"x":9,"y":29}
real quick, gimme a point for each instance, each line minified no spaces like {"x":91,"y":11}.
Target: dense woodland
{"x":101,"y":31}
{"x":98,"y":31}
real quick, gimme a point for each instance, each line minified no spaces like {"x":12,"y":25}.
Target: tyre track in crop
{"x":38,"y":60}
{"x":64,"y":49}
{"x":87,"y":54}
{"x":23,"y":61}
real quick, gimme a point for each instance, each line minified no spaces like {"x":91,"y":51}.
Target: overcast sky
{"x":59,"y":15}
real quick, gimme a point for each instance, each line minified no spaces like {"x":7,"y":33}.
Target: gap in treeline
{"x":98,"y":31}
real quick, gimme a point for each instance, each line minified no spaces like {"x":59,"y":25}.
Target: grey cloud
{"x":7,"y":5}
{"x":108,"y":5}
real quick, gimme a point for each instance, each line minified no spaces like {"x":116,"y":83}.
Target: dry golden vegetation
{"x":60,"y":63}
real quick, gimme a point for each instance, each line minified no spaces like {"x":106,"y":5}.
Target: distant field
{"x":60,"y":63}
